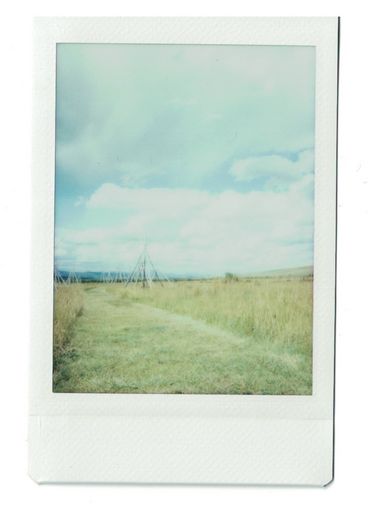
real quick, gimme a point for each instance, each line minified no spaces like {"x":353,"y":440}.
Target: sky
{"x":206,"y":152}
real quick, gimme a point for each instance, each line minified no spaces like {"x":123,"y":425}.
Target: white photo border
{"x":218,"y":438}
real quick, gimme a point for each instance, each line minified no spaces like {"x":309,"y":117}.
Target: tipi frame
{"x":144,"y":272}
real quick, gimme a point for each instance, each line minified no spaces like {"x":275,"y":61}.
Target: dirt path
{"x":121,"y":346}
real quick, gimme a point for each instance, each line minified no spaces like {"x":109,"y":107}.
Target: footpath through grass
{"x":135,"y":341}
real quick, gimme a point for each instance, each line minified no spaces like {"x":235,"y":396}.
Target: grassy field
{"x":247,"y":336}
{"x":68,"y":307}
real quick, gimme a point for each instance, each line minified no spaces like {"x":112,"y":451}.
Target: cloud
{"x":274,"y":170}
{"x":154,"y":115}
{"x":201,"y":149}
{"x":191,"y":231}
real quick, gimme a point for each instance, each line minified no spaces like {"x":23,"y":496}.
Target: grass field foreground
{"x":247,"y":336}
{"x":276,"y":310}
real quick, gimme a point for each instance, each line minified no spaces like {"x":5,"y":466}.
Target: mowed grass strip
{"x":276,"y":310}
{"x":202,"y":337}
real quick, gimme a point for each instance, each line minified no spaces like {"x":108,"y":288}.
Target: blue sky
{"x":205,"y":151}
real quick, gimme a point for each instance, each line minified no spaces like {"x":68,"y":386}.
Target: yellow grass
{"x":277,"y":310}
{"x":246,"y":336}
{"x":68,"y":306}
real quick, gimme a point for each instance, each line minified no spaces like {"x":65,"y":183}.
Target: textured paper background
{"x":177,"y":438}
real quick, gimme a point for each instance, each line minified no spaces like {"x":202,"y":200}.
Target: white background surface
{"x":352,"y":340}
{"x":195,"y":438}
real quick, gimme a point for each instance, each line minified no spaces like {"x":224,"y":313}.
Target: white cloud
{"x":130,"y":113}
{"x":275,"y":169}
{"x":157,"y":199}
{"x":194,"y":231}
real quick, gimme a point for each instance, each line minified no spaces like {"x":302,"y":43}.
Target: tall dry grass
{"x":277,"y":310}
{"x":68,"y":306}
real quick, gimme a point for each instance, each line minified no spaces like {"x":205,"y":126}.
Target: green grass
{"x":252,"y":336}
{"x":68,"y":306}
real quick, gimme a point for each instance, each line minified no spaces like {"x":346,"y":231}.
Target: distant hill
{"x":95,"y":276}
{"x":291,"y":272}
{"x":98,"y":276}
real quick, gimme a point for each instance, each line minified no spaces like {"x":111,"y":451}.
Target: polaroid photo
{"x":184,"y":231}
